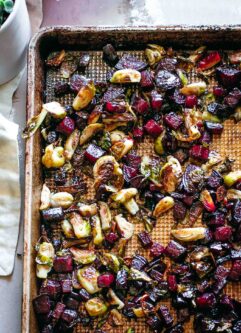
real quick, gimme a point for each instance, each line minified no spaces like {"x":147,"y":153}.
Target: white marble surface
{"x":127,"y":12}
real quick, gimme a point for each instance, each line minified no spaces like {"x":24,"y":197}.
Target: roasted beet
{"x":94,"y":152}
{"x":228,"y":77}
{"x":167,"y":63}
{"x":66,"y":286}
{"x":156,"y":250}
{"x":175,"y":329}
{"x":166,"y":80}
{"x":235,"y":273}
{"x":156,"y":275}
{"x":179,"y":302}
{"x":172,"y":120}
{"x":116,"y":106}
{"x":219,"y":91}
{"x":172,"y":283}
{"x":145,"y":239}
{"x":199,"y":152}
{"x":140,"y":105}
{"x":191,"y":101}
{"x":175,"y":250}
{"x":111,"y":237}
{"x":181,"y":154}
{"x":138,"y":133}
{"x":223,"y":234}
{"x":42,"y":304}
{"x":61,"y":88}
{"x":121,"y":279}
{"x":226,"y":302}
{"x":84,"y":60}
{"x":72,"y":303}
{"x":206,"y":301}
{"x":146,"y":79}
{"x":220,"y":277}
{"x":69,"y":316}
{"x":156,"y":101}
{"x":130,"y":61}
{"x":51,"y":288}
{"x":165,"y":316}
{"x":112,"y":93}
{"x":156,"y":264}
{"x":105,"y":280}
{"x":109,"y":55}
{"x":177,"y":97}
{"x":63,"y":264}
{"x":66,"y":126}
{"x":129,"y":173}
{"x":139,"y":262}
{"x":216,"y":219}
{"x":84,"y":295}
{"x":53,"y":215}
{"x":76,"y":82}
{"x":179,"y":211}
{"x":206,"y":138}
{"x":133,"y":160}
{"x":214,"y":128}
{"x":153,"y":128}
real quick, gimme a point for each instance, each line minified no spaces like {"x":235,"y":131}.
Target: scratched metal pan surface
{"x":40,"y":86}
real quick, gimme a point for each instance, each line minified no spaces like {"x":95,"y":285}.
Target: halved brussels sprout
{"x":45,"y":197}
{"x":138,"y":312}
{"x":61,"y":199}
{"x":53,"y":157}
{"x":113,"y":299}
{"x":45,"y":253}
{"x":117,"y":136}
{"x":191,"y":118}
{"x":158,"y":144}
{"x":67,"y":229}
{"x":121,"y":148}
{"x":87,"y":277}
{"x":42,"y":271}
{"x":163,"y":205}
{"x":125,"y":197}
{"x":34,"y":123}
{"x":96,"y":307}
{"x":170,"y":174}
{"x":154,"y":53}
{"x":89,"y":131}
{"x":196,"y":88}
{"x":137,"y":275}
{"x":105,"y":215}
{"x":84,"y":96}
{"x":232,"y":177}
{"x":71,"y":144}
{"x":56,"y":110}
{"x":84,"y":257}
{"x":97,"y":231}
{"x":82,"y":228}
{"x":125,"y":228}
{"x":127,"y":75}
{"x":112,"y":261}
{"x":189,"y":234}
{"x":88,"y":210}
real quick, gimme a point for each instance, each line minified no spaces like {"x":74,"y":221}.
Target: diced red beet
{"x":156,"y":101}
{"x":205,"y":138}
{"x":58,"y":310}
{"x":84,"y":295}
{"x":226,"y":302}
{"x":214,"y":128}
{"x":179,"y":211}
{"x":219,"y":91}
{"x":115,"y":106}
{"x":174,"y":250}
{"x":145,"y":239}
{"x":191,"y":101}
{"x":69,"y":316}
{"x":206,"y":301}
{"x":218,"y":219}
{"x":223,"y":234}
{"x":181,"y":155}
{"x":105,"y":280}
{"x":177,"y":97}
{"x":47,"y":329}
{"x":199,"y":152}
{"x":228,"y":77}
{"x":111,"y":237}
{"x":53,"y":214}
{"x":112,"y":93}
{"x":236,"y":254}
{"x":173,"y":120}
{"x":166,"y":80}
{"x":146,"y":79}
{"x":235,"y":273}
{"x":109,"y":55}
{"x":42,"y":304}
{"x":63,"y":264}
{"x":72,"y":303}
{"x":129,"y":173}
{"x":51,"y":288}
{"x":172,"y":282}
{"x":66,"y":286}
{"x":237,"y":327}
{"x":153,"y":128}
{"x":93,"y":153}
{"x":140,"y":105}
{"x":156,"y":250}
{"x":66,"y":126}
{"x":188,"y":200}
{"x":209,"y":61}
{"x":133,"y":160}
{"x":165,"y":316}
{"x":138,"y":133}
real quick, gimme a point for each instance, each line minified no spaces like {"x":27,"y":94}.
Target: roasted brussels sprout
{"x":96,"y":307}
{"x":84,"y":96}
{"x":87,"y":277}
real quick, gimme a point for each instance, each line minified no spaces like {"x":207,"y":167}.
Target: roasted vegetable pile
{"x":84,"y":274}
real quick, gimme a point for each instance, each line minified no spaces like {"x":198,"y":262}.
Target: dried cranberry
{"x":223,"y":234}
{"x":66,"y":126}
{"x":156,"y":101}
{"x":105,"y":280}
{"x":219,"y":91}
{"x":93,"y":153}
{"x":145,"y":239}
{"x":156,"y":250}
{"x":138,"y":133}
{"x":76,"y":82}
{"x":172,"y":120}
{"x":111,"y":237}
{"x":129,"y":173}
{"x":235,"y":273}
{"x":153,"y":128}
{"x":191,"y":101}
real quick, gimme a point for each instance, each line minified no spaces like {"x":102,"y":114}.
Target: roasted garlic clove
{"x":45,"y":197}
{"x":189,"y":234}
{"x":89,"y":131}
{"x":196,"y":88}
{"x":125,"y":228}
{"x":105,"y":215}
{"x":154,"y":53}
{"x":55,"y":109}
{"x":163,"y":205}
{"x":127,"y":75}
{"x":82,"y":228}
{"x":84,"y":96}
{"x":121,"y":148}
{"x":61,"y":199}
{"x":88,"y":210}
{"x":83,"y":257}
{"x":53,"y":157}
{"x":96,"y":307}
{"x":71,"y":144}
{"x":87,"y":277}
{"x":97,"y":231}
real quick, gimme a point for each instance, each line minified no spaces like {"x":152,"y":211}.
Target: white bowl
{"x":14,"y":38}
